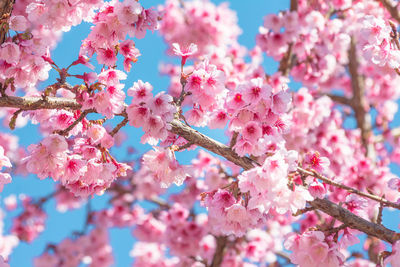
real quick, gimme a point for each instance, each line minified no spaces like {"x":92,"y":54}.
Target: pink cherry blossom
{"x":185,"y":52}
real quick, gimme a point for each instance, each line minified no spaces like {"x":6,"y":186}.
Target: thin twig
{"x":380,"y":213}
{"x":349,"y":189}
{"x":219,"y":251}
{"x":340,"y":99}
{"x":287,"y":60}
{"x":72,"y":126}
{"x":234,"y":139}
{"x":119,"y":126}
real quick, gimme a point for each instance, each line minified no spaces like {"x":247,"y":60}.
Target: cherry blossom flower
{"x":185,"y":52}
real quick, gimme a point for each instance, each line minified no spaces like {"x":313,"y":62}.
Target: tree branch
{"x":354,"y":221}
{"x":287,"y":60}
{"x":70,"y":127}
{"x":359,"y":102}
{"x":340,"y":99}
{"x":219,"y":251}
{"x":34,"y":103}
{"x":394,"y":12}
{"x":326,"y":180}
{"x":197,"y":138}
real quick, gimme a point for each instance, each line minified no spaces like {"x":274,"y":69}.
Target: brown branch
{"x":34,"y":103}
{"x":160,"y":202}
{"x":219,"y":251}
{"x":394,"y":12}
{"x":119,"y":126}
{"x":191,"y":135}
{"x":340,"y":99}
{"x":334,"y":210}
{"x":349,"y":189}
{"x":195,"y":137}
{"x":287,"y":60}
{"x":380,"y":213}
{"x":354,"y":221}
{"x":359,"y":101}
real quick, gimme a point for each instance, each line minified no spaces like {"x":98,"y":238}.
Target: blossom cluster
{"x":165,"y":168}
{"x":199,"y":22}
{"x":85,"y":170}
{"x":150,"y":112}
{"x":114,"y":21}
{"x":92,"y":249}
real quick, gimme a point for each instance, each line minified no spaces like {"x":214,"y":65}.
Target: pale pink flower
{"x":310,"y":249}
{"x":316,"y":162}
{"x":75,"y":167}
{"x":10,"y":52}
{"x":111,"y":77}
{"x":317,"y":189}
{"x":128,"y":11}
{"x":140,"y":92}
{"x":254,"y":90}
{"x":185,"y":52}
{"x":252,"y":132}
{"x":281,"y":102}
{"x":96,"y":133}
{"x":218,"y":119}
{"x":162,"y":162}
{"x":137,"y":115}
{"x":4,"y":160}
{"x":161,"y":104}
{"x":18,"y":23}
{"x":196,"y":117}
{"x":106,"y":56}
{"x":394,"y":184}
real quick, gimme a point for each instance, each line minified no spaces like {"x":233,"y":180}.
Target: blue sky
{"x":152,"y":48}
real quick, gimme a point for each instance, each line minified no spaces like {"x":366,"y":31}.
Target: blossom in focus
{"x":184,"y":52}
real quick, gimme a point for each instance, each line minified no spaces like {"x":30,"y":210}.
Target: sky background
{"x":61,"y":225}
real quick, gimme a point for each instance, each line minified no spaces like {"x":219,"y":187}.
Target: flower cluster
{"x":150,"y":112}
{"x":313,"y":248}
{"x":228,"y":215}
{"x":86,"y":170}
{"x":182,"y":236}
{"x":92,"y":250}
{"x":268,"y":185}
{"x":379,"y":47}
{"x":258,"y":110}
{"x":207,"y":87}
{"x":57,"y":15}
{"x":111,"y":100}
{"x":30,"y":223}
{"x":199,"y":22}
{"x":114,"y":21}
{"x":166,"y":169}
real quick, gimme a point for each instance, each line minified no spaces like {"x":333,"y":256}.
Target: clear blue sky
{"x":152,"y":47}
